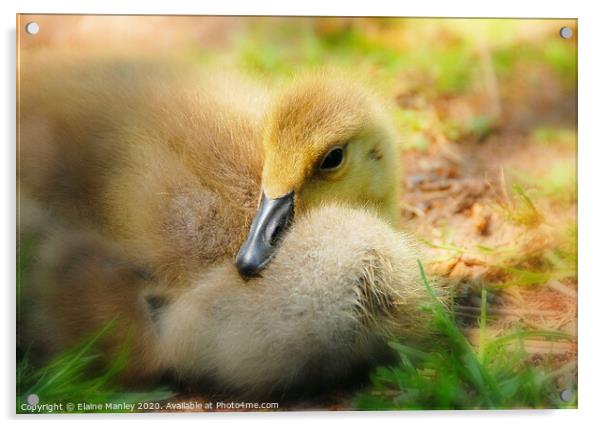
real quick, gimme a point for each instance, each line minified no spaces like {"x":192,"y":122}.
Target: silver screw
{"x":566,"y":395}
{"x":566,"y":32}
{"x":33,"y":399}
{"x":32,"y":28}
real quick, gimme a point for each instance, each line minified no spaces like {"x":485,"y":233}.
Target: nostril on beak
{"x":275,"y":231}
{"x":275,"y":234}
{"x":274,"y":238}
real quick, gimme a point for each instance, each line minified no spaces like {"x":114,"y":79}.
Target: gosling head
{"x":325,"y":141}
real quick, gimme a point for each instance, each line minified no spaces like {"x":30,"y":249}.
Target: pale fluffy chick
{"x":151,"y":175}
{"x":294,"y":329}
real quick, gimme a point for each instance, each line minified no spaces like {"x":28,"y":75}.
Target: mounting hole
{"x":32,"y":28}
{"x":566,"y":32}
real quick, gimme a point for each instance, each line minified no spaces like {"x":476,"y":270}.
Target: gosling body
{"x":142,"y":181}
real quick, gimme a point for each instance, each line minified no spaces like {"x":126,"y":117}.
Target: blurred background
{"x":487,"y":117}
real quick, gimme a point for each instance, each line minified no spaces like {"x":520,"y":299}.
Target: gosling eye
{"x":333,"y":159}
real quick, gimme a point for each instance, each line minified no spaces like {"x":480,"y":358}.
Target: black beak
{"x":268,"y":227}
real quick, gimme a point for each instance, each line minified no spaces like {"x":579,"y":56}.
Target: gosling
{"x":162,"y":168}
{"x":171,"y":161}
{"x":341,"y":285}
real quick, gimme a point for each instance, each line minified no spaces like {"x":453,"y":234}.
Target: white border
{"x":590,"y":189}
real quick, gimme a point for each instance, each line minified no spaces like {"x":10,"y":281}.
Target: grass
{"x":548,"y":136}
{"x":68,"y":378}
{"x":520,"y":209}
{"x":558,"y":183}
{"x":455,"y":375}
{"x":446,"y":52}
{"x":73,"y":375}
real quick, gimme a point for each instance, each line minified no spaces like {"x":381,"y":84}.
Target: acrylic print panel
{"x":286,"y":213}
